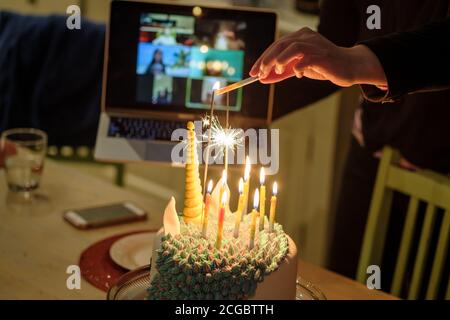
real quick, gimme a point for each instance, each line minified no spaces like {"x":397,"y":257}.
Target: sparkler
{"x":236,"y":85}
{"x":226,"y":128}
{"x":219,"y":137}
{"x":222,"y":138}
{"x":205,"y":173}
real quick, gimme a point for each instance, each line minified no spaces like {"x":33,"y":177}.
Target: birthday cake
{"x":210,"y":252}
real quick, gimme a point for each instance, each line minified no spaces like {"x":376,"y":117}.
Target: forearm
{"x":412,"y":61}
{"x":365,"y":67}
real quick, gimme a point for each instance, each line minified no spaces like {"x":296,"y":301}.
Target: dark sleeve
{"x":413,"y":61}
{"x":339,"y":24}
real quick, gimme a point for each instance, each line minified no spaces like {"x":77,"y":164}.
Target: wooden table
{"x":37,"y":245}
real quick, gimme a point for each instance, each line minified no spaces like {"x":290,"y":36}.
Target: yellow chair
{"x":426,"y":186}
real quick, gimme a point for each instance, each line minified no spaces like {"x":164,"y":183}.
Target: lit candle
{"x":239,"y":209}
{"x":206,"y":208}
{"x":273,"y":206}
{"x":220,"y":222}
{"x":262,"y":199}
{"x":254,"y":216}
{"x":246,"y":185}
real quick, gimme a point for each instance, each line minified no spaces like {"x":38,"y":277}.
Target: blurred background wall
{"x":313,"y":141}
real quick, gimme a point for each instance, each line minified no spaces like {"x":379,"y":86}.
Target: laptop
{"x":161,"y":62}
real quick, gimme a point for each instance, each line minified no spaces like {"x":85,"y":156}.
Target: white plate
{"x":133,"y":251}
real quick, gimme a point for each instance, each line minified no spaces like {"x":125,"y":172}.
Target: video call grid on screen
{"x":167,"y":58}
{"x":179,"y":58}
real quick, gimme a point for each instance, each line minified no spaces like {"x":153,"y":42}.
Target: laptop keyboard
{"x":145,"y":129}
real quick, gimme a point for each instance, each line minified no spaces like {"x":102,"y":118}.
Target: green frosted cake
{"x":188,"y":266}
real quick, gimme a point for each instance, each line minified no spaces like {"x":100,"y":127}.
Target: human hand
{"x":307,"y":53}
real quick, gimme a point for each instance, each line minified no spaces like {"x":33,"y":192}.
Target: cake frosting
{"x":189,"y":266}
{"x":186,"y":264}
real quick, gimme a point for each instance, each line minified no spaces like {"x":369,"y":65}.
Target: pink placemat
{"x":96,"y":265}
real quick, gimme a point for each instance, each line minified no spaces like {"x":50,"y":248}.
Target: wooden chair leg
{"x":405,"y":246}
{"x":439,"y":259}
{"x":422,"y":251}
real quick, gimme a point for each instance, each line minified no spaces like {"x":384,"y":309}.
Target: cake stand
{"x":133,"y":286}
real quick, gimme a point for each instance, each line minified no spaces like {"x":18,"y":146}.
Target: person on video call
{"x":166,"y":38}
{"x":156,"y":66}
{"x":418,"y":125}
{"x":226,"y":38}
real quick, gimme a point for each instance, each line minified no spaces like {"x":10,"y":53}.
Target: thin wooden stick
{"x":227,"y":118}
{"x":211,"y":114}
{"x":236,"y":85}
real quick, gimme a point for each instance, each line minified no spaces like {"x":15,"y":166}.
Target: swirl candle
{"x":239,"y":209}
{"x":206,"y":208}
{"x":220,"y":221}
{"x":254,"y":215}
{"x":246,"y":186}
{"x":273,"y":206}
{"x":262,"y":199}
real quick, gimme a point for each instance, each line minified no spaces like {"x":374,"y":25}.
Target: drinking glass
{"x":24,"y":151}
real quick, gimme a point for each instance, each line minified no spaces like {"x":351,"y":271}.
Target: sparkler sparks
{"x":205,"y":121}
{"x":223,"y":138}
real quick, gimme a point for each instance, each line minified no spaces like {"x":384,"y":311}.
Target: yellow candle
{"x":254,"y":216}
{"x":206,"y":208}
{"x":246,"y":186}
{"x":273,"y":206}
{"x":239,"y":209}
{"x":221,"y":219}
{"x":262,"y":199}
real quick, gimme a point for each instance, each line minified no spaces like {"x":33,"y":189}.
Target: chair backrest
{"x":425,"y":186}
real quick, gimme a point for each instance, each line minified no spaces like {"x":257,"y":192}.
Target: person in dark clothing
{"x":413,"y":61}
{"x":156,"y":66}
{"x":51,"y":76}
{"x":386,"y":67}
{"x":418,"y":125}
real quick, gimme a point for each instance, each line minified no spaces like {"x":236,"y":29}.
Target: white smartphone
{"x":101,"y":216}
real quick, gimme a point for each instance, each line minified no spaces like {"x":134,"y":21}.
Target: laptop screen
{"x":166,"y":58}
{"x":179,"y":58}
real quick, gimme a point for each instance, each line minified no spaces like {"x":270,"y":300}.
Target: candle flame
{"x":262,"y":176}
{"x":256,"y":199}
{"x":247,"y":169}
{"x":210,"y":186}
{"x":224,"y":177}
{"x":224,"y":198}
{"x":216,"y":85}
{"x":241,"y":185}
{"x":275,"y":188}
